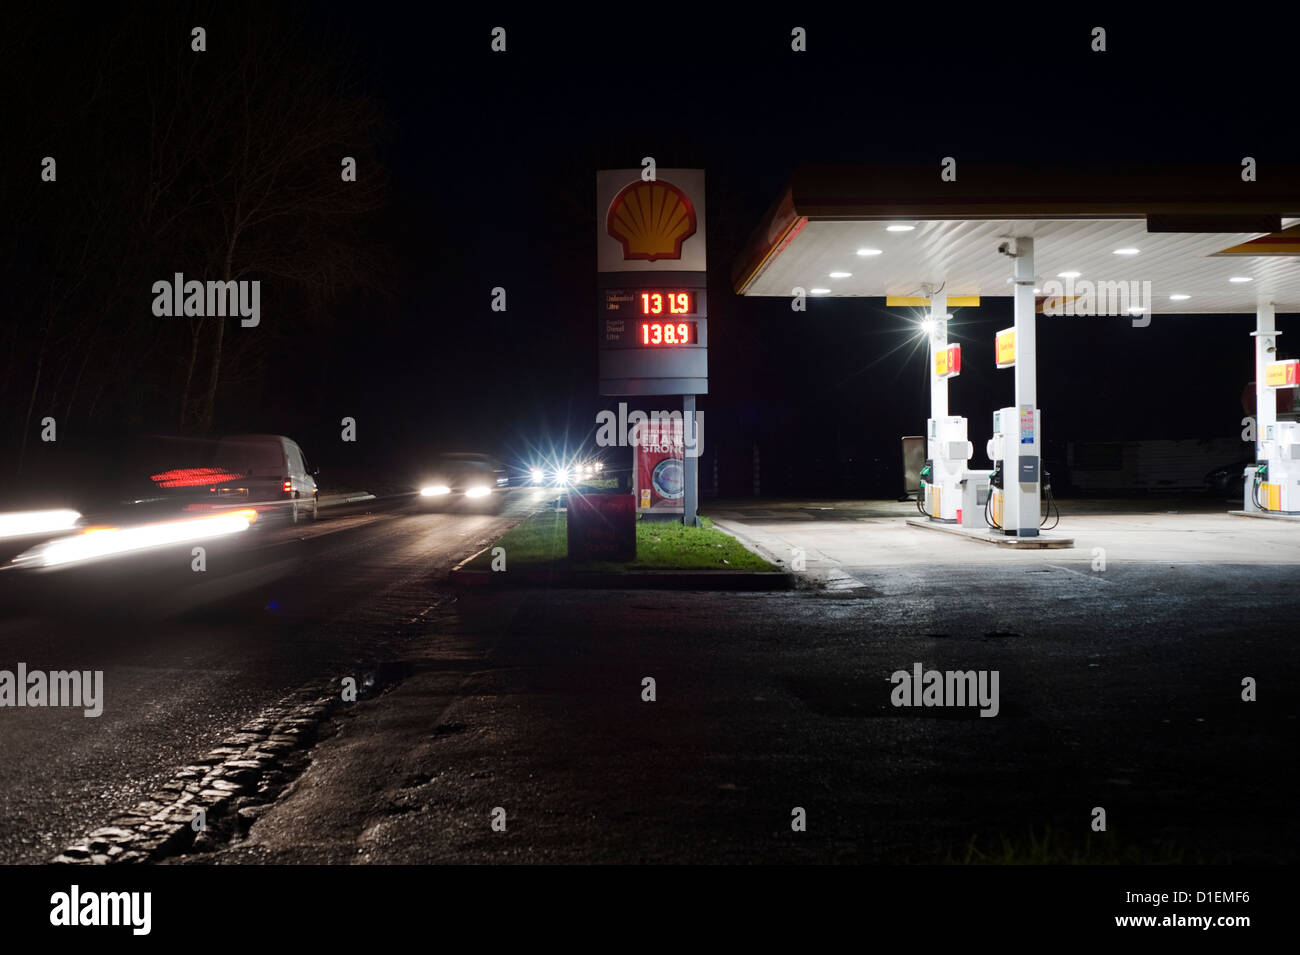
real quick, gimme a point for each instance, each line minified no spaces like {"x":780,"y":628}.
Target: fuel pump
{"x":1275,"y":484}
{"x":1004,"y":447}
{"x":947,"y":452}
{"x":1013,"y":434}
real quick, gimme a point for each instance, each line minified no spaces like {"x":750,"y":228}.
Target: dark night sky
{"x":490,"y":161}
{"x":506,"y":162}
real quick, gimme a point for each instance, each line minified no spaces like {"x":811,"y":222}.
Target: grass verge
{"x":541,"y":542}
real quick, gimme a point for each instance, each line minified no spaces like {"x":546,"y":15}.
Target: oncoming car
{"x":463,"y":480}
{"x":566,"y":474}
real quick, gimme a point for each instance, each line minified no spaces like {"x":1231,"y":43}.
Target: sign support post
{"x":690,"y":460}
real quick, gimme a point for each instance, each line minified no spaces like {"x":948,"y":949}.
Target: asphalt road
{"x":1120,"y":691}
{"x":188,"y":657}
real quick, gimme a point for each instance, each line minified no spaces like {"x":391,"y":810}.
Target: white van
{"x":272,"y":471}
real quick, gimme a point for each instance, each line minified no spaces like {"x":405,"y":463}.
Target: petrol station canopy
{"x":1195,"y":229}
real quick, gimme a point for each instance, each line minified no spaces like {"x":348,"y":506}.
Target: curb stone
{"x":246,"y":771}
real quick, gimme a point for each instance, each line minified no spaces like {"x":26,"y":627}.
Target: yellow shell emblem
{"x":651,"y":220}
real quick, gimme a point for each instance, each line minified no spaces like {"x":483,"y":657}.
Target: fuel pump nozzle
{"x":1261,"y":478}
{"x":927,"y":476}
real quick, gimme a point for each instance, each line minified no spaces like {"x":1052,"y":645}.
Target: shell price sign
{"x":1282,"y":374}
{"x":1004,"y":348}
{"x":652,"y":295}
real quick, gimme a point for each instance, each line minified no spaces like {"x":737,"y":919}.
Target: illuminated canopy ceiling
{"x":1195,"y":228}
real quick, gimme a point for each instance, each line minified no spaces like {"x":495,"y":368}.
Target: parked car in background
{"x":1229,"y":481}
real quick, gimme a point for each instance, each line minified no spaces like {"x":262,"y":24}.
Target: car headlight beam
{"x":97,"y":542}
{"x":26,"y":523}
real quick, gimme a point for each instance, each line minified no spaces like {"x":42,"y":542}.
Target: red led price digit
{"x":667,"y":333}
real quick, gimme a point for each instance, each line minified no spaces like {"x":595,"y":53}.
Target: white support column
{"x":1023,"y":464}
{"x":938,"y":342}
{"x":946,"y":450}
{"x":1265,"y":398}
{"x":935,"y":489}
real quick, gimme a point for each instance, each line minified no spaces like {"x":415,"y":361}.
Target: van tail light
{"x":287,"y":486}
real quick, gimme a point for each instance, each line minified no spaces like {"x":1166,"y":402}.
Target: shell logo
{"x":651,"y":220}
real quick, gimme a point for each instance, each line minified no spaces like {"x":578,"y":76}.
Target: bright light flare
{"x":478,"y":492}
{"x":27,"y":523}
{"x":436,"y":490}
{"x":536,"y":475}
{"x":97,"y":542}
{"x":927,"y":326}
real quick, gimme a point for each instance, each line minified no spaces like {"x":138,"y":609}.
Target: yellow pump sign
{"x":1282,"y":374}
{"x":1005,"y":348}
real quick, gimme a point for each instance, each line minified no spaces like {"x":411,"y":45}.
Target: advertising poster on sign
{"x":660,"y":467}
